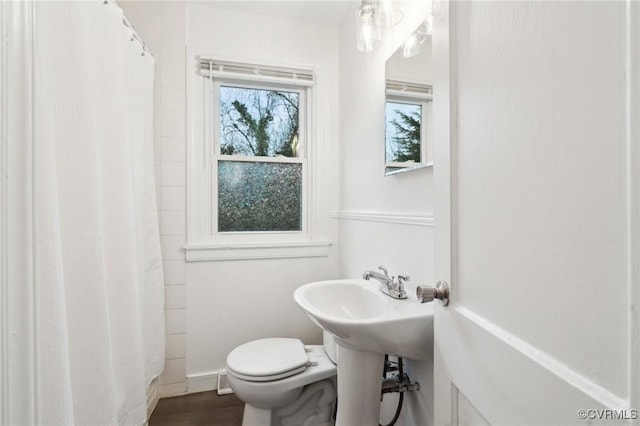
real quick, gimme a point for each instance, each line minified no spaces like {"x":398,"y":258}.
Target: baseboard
{"x":202,"y":382}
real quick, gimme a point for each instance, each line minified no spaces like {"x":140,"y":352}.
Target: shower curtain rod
{"x":129,"y":25}
{"x":135,"y":35}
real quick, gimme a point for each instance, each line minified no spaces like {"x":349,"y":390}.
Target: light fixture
{"x":411,"y":46}
{"x":368,"y":34}
{"x":426,"y":28}
{"x":388,"y":13}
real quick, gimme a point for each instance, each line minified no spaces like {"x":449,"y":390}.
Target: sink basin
{"x":362,"y":318}
{"x":366,"y":324}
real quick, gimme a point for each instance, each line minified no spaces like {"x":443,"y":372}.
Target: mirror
{"x":409,"y":104}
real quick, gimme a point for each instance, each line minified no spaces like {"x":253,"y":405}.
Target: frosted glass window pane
{"x":259,"y":122}
{"x":259,"y":196}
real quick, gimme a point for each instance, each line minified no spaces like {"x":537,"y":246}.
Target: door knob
{"x":426,"y":294}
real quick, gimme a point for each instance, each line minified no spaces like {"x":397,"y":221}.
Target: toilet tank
{"x":329,"y":343}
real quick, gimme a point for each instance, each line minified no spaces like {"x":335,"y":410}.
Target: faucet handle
{"x":383,"y":269}
{"x":403,"y":278}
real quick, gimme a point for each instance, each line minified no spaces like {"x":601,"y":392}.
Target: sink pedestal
{"x":359,"y":385}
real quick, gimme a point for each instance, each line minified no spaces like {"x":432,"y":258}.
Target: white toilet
{"x":284,"y":382}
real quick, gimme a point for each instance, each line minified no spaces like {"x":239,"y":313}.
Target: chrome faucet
{"x":391,"y":286}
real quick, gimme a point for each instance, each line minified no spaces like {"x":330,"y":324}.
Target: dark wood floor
{"x":198,"y":409}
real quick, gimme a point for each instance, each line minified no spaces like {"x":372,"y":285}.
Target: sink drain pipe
{"x":396,"y":383}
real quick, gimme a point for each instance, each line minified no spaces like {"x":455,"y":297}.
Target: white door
{"x":537,"y":212}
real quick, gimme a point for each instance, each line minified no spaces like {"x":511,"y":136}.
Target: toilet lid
{"x":268,"y":359}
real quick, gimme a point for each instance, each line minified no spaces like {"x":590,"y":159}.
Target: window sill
{"x":217,"y":252}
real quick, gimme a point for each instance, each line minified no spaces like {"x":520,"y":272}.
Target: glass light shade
{"x":411,"y":46}
{"x":426,"y":28}
{"x":367,"y":33}
{"x":388,"y":13}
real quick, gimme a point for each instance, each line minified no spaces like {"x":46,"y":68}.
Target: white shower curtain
{"x":98,"y":272}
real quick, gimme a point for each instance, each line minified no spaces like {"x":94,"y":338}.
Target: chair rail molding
{"x":384,"y":217}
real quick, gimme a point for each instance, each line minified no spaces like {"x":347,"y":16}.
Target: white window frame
{"x":204,"y":242}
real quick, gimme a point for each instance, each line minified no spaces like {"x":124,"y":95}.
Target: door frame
{"x":444,"y":112}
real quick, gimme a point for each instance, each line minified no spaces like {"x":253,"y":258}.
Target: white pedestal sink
{"x":367,"y":324}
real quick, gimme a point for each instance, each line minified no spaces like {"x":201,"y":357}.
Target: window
{"x":403,"y":131}
{"x":252,"y":191}
{"x":408,"y":110}
{"x":259,"y":151}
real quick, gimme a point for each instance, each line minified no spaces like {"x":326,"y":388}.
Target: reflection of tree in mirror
{"x":259,"y":122}
{"x":403,"y":132}
{"x":407,"y":137}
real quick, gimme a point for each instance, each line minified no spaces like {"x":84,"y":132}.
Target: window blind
{"x":409,"y":89}
{"x":211,"y":67}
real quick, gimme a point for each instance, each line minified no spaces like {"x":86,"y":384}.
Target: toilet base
{"x":254,"y":416}
{"x":313,"y":407}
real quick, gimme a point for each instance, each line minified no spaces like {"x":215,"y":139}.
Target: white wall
{"x":372,"y":205}
{"x":231,"y":302}
{"x":213,"y":306}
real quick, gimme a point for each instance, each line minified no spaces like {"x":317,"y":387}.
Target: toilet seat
{"x":268,"y":359}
